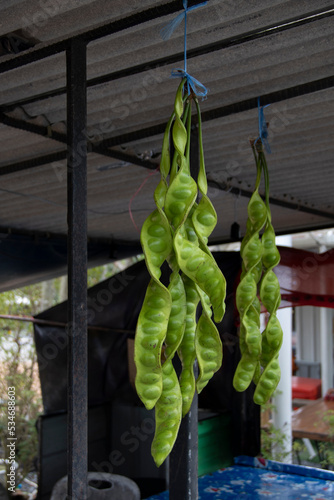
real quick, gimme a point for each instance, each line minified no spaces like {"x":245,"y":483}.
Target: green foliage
{"x":298,"y":446}
{"x":272,"y":444}
{"x":19,"y":370}
{"x":18,"y":361}
{"x":326,"y":449}
{"x":272,"y":439}
{"x":98,"y":274}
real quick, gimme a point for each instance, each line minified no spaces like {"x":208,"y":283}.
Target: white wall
{"x":314,"y":339}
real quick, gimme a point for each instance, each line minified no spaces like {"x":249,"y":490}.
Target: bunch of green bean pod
{"x":272,"y":336}
{"x":246,"y":295}
{"x":177,"y":232}
{"x":259,"y":353}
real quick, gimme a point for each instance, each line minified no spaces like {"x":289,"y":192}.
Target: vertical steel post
{"x":183,"y":465}
{"x":77,"y":270}
{"x":183,"y":462}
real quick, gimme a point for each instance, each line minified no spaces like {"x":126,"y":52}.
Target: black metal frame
{"x":75,"y":47}
{"x":108,"y":29}
{"x":77,"y":270}
{"x":103,"y":147}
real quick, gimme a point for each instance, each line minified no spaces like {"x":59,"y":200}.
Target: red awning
{"x":306,"y":278}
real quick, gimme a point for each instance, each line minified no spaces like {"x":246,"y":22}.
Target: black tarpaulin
{"x":31,"y":258}
{"x":114,"y":306}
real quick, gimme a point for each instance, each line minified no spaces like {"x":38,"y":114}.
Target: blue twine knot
{"x":168,"y":30}
{"x":193,"y":85}
{"x":263,"y":129}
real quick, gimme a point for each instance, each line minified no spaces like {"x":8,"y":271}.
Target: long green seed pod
{"x":272,"y":337}
{"x":187,"y":351}
{"x":168,"y":412}
{"x":209,"y":349}
{"x":168,"y":409}
{"x":246,"y":296}
{"x":156,"y":241}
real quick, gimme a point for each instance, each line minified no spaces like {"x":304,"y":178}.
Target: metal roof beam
{"x":222,"y":186}
{"x":213,"y":114}
{"x":32,"y":163}
{"x":43,"y":131}
{"x":104,"y":145}
{"x":230,"y":109}
{"x":44,"y":50}
{"x":174,"y":58}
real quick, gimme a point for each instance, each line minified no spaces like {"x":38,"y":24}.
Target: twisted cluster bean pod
{"x":187,"y":351}
{"x":193,"y":255}
{"x":192,"y":229}
{"x":246,"y":295}
{"x":168,"y":409}
{"x":259,"y":353}
{"x":178,"y":231}
{"x":208,"y":344}
{"x":271,"y":298}
{"x":156,"y":241}
{"x":179,"y":200}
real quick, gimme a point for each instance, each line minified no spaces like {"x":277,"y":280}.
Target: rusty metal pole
{"x":77,"y":270}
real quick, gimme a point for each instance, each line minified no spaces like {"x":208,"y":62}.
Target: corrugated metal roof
{"x":239,"y":50}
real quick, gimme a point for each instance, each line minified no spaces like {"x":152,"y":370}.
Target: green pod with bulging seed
{"x":268,"y":382}
{"x":204,"y":218}
{"x":150,"y":335}
{"x":272,"y":336}
{"x":270,"y":291}
{"x":253,"y":337}
{"x":177,"y":208}
{"x":182,"y":191}
{"x":153,"y":319}
{"x":203,"y":270}
{"x":168,"y":413}
{"x":271,"y":256}
{"x":187,"y":351}
{"x":257,"y":212}
{"x":156,"y":241}
{"x":208,"y":345}
{"x":274,"y":333}
{"x":251,"y":251}
{"x":177,"y":318}
{"x":245,"y":372}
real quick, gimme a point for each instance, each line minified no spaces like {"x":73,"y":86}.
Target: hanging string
{"x":193,"y":85}
{"x":263,"y":127}
{"x":196,"y":87}
{"x":169,"y":29}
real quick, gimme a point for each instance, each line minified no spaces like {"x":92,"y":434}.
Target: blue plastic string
{"x":185,"y":5}
{"x":193,"y":85}
{"x":169,"y":29}
{"x":263,"y":129}
{"x":196,"y":87}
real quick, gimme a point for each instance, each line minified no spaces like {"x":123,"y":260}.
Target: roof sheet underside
{"x":301,"y":128}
